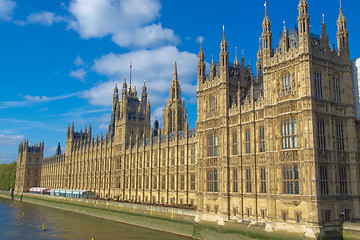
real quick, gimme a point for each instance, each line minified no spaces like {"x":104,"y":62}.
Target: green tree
{"x":7,"y":176}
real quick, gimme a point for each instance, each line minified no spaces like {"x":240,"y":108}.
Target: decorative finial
{"x":265,"y":5}
{"x":242,"y":50}
{"x":223,"y":29}
{"x":236,"y":51}
{"x":323,"y":17}
{"x":201,"y":41}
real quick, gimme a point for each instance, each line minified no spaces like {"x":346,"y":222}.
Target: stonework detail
{"x":279,"y":146}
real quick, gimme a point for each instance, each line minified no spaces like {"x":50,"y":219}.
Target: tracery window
{"x":291,"y":179}
{"x":262,"y":139}
{"x":324,"y":186}
{"x":248,"y":180}
{"x":340,"y":137}
{"x":289,"y":134}
{"x":247,"y":141}
{"x":235,"y":180}
{"x":212,"y":103}
{"x":234,"y":147}
{"x":262,"y":180}
{"x":212,"y":145}
{"x":318,"y":85}
{"x":212,"y":185}
{"x":337,"y":96}
{"x":321,"y":134}
{"x":286,"y":82}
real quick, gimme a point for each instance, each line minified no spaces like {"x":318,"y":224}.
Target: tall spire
{"x":342,"y":34}
{"x":236,"y":62}
{"x":224,"y":58}
{"x":174,"y":92}
{"x":201,"y":64}
{"x":266,"y":34}
{"x":324,"y":36}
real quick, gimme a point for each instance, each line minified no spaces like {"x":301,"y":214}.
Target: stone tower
{"x":131,"y":115}
{"x":174,"y":113}
{"x":28,"y":168}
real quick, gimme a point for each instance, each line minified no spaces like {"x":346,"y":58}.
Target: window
{"x":342,"y":180}
{"x":327,"y":216}
{"x":337,"y":89}
{"x":163,"y":182}
{"x":182,"y":157}
{"x":164,"y":158}
{"x":298,"y":217}
{"x":147,"y":181}
{"x":147,"y":160}
{"x":182,"y":182}
{"x":262,"y":180}
{"x":318,"y":85}
{"x":118,"y":165}
{"x":321,"y":134}
{"x":193,"y":156}
{"x":247,"y":141}
{"x":172,"y":182}
{"x":212,"y":145}
{"x":324,"y":188}
{"x":139,"y":182}
{"x":263,"y":213}
{"x":289,"y":134}
{"x":284,"y":217}
{"x":212,"y":180}
{"x":340,"y":137}
{"x":212,"y":104}
{"x":234,"y":147}
{"x":262,"y":139}
{"x":140,"y":161}
{"x":155,"y":182}
{"x":291,"y":179}
{"x":173,"y":157}
{"x":192,"y":181}
{"x":347,"y":214}
{"x":286,"y":82}
{"x":248,"y":180}
{"x":119,"y":182}
{"x":235,"y":180}
{"x":155,"y":160}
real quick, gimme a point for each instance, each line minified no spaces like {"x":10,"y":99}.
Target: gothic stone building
{"x":279,"y":148}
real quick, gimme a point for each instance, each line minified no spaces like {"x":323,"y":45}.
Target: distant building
{"x":356,"y":86}
{"x":280,"y":148}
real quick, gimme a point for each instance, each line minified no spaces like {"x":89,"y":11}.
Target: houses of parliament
{"x":279,"y":146}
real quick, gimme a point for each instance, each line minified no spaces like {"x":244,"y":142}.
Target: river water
{"x":65,"y":225}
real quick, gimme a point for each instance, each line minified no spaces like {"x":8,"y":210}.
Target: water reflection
{"x":65,"y":225}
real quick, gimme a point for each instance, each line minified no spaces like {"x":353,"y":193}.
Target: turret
{"x":259,"y":62}
{"x":342,"y":35}
{"x":224,"y":58}
{"x":144,"y":95}
{"x":123,"y":91}
{"x":236,"y":61}
{"x":266,"y":35}
{"x":175,"y":91}
{"x":304,"y":26}
{"x":201,"y":65}
{"x":285,"y":40}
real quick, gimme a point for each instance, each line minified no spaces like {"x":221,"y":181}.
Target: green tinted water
{"x":65,"y":225}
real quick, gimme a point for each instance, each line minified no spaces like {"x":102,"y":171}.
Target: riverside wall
{"x":173,"y":220}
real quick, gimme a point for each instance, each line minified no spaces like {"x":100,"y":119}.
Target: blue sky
{"x":60,"y":59}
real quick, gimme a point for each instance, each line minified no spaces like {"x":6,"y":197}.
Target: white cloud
{"x":29,"y":100}
{"x":7,"y":9}
{"x":155,"y":66}
{"x":129,"y":23}
{"x":78,"y":61}
{"x":11,"y":140}
{"x":79,"y":74}
{"x":43,"y":18}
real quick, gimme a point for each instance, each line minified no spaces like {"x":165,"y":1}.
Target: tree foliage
{"x":7,"y":176}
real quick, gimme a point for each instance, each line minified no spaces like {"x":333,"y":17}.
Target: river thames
{"x":65,"y":225}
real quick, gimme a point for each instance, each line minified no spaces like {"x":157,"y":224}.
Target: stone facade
{"x":280,"y":148}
